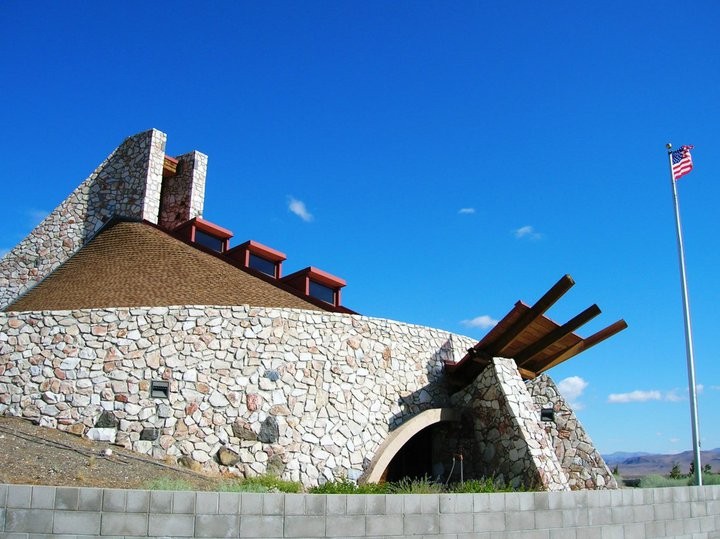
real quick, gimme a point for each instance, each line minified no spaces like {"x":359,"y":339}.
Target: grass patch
{"x":345,"y":486}
{"x":166,"y":483}
{"x":660,"y":481}
{"x":261,"y":483}
{"x":487,"y":485}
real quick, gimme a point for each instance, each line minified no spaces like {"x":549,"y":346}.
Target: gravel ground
{"x":34,"y":455}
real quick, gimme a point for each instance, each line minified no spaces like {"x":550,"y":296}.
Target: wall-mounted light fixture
{"x":547,"y":414}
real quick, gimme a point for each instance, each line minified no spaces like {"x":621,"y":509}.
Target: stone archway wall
{"x":400,"y":436}
{"x":307,"y":395}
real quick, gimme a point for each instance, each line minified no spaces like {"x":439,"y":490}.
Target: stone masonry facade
{"x":303,"y":394}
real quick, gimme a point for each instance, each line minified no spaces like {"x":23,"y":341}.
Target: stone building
{"x":128,"y":317}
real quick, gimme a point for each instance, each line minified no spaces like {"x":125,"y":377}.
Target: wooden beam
{"x":528,"y":354}
{"x":583,"y":345}
{"x":536,"y":311}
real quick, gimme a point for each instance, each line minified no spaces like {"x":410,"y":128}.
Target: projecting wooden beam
{"x":583,"y":345}
{"x":528,"y":354}
{"x":536,"y":311}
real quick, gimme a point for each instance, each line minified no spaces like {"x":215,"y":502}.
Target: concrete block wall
{"x":41,"y":512}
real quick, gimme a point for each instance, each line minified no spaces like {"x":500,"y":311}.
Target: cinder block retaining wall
{"x":38,"y":512}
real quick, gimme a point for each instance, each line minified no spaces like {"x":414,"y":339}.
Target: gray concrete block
{"x":662,"y":495}
{"x":28,"y":520}
{"x":655,"y":528}
{"x":574,"y":517}
{"x":132,"y":524}
{"x":414,"y":524}
{"x":635,"y":529}
{"x":673,"y":528}
{"x":206,"y":503}
{"x":171,"y":525}
{"x":662,"y":511}
{"x":643,"y":513}
{"x":43,"y":497}
{"x":593,"y":532}
{"x":541,"y":501}
{"x":412,"y":503}
{"x":548,"y":519}
{"x":301,"y":526}
{"x":88,"y":499}
{"x":622,"y":514}
{"x":681,"y":510}
{"x":355,"y":505}
{"x":2,"y":518}
{"x":76,"y":522}
{"x":374,"y":504}
{"x":430,"y":504}
{"x":456,"y":523}
{"x":114,"y":500}
{"x":261,"y":526}
{"x":599,"y":516}
{"x":393,"y":504}
{"x":216,"y":526}
{"x":567,"y":500}
{"x":315,"y":505}
{"x":519,"y":501}
{"x":67,"y":498}
{"x":336,"y":504}
{"x":681,"y":494}
{"x":273,"y":504}
{"x":162,"y":501}
{"x":598,"y":498}
{"x":345,"y":526}
{"x":691,"y":526}
{"x":489,"y":502}
{"x":19,"y":497}
{"x":229,"y":503}
{"x":489,"y":522}
{"x":251,"y":503}
{"x":138,"y":501}
{"x":519,"y":520}
{"x":183,"y":503}
{"x":295,"y":504}
{"x":707,"y":524}
{"x":385,"y":525}
{"x":561,"y":533}
{"x":698,"y":509}
{"x":614,"y":531}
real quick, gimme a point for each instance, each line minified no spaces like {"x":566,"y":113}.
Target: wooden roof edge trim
{"x":585,"y":344}
{"x":528,"y":354}
{"x":550,"y":297}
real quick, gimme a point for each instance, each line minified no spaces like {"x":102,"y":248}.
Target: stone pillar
{"x":183,"y":194}
{"x":127,"y":185}
{"x":511,"y":445}
{"x":578,"y":457}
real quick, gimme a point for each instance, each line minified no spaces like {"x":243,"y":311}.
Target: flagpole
{"x":688,"y":330}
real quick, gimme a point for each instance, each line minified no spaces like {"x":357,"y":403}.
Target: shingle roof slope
{"x":132,"y":264}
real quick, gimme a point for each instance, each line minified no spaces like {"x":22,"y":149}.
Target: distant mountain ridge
{"x":639,"y":464}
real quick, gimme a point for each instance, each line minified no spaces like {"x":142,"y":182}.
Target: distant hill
{"x":632,"y":465}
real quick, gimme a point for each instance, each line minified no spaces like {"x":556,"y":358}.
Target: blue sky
{"x":445,"y":158}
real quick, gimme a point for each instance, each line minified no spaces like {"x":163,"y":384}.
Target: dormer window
{"x":259,"y":257}
{"x":205,"y":233}
{"x":317,"y":284}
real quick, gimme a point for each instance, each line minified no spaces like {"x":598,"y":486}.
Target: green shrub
{"x":415,"y":486}
{"x":486,"y":485}
{"x":345,"y":486}
{"x":655,"y":481}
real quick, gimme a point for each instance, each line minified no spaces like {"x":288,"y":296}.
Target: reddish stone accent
{"x":253,"y":402}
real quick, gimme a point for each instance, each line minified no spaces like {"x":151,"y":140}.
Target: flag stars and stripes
{"x":681,"y":162}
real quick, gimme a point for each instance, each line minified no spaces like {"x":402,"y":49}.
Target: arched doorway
{"x":407,"y":451}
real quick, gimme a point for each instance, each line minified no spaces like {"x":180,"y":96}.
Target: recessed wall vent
{"x":160,"y":389}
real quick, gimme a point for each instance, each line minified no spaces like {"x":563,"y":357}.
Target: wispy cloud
{"x":482,"y":322}
{"x":466,"y":211}
{"x":298,"y":208}
{"x":715,"y":388}
{"x":635,"y":396}
{"x":527,"y":232}
{"x":572,"y":389}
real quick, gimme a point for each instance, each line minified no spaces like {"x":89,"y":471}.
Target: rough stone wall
{"x":183,"y":195}
{"x":582,"y":463}
{"x":126,"y":184}
{"x":510,"y":443}
{"x":304,"y":394}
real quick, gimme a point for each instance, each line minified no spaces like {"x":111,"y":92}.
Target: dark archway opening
{"x":415,"y":459}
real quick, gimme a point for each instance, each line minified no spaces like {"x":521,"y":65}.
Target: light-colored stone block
{"x":43,"y":497}
{"x":419,"y":524}
{"x":174,"y":525}
{"x":114,"y":500}
{"x":385,"y":525}
{"x":302,"y":526}
{"x":28,"y":520}
{"x":135,"y":524}
{"x":456,"y":523}
{"x":76,"y":522}
{"x":88,"y":499}
{"x":345,"y":526}
{"x":19,"y":497}
{"x":217,"y":526}
{"x":261,"y":526}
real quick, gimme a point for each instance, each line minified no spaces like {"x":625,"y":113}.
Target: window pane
{"x":216,"y":244}
{"x":322,"y":292}
{"x":262,"y":264}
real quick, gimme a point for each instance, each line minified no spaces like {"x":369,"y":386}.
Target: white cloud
{"x":571,"y":389}
{"x":635,"y":396}
{"x":466,"y":211}
{"x":483,"y":322}
{"x":298,"y":208}
{"x":673,"y":396}
{"x":715,"y":388}
{"x":528,"y":232}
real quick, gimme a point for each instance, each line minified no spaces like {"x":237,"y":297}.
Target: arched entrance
{"x":407,"y":451}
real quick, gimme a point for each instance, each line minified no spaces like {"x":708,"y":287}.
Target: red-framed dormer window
{"x":317,"y":284}
{"x":205,"y":233}
{"x":259,"y":257}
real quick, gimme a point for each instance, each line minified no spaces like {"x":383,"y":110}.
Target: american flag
{"x":681,"y":162}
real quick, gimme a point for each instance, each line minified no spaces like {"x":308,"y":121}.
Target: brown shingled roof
{"x":132,"y":264}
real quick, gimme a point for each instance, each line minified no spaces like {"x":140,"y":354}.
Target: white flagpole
{"x":688,"y":331}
